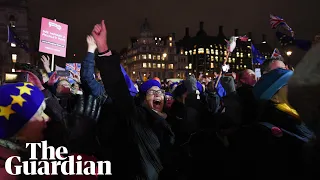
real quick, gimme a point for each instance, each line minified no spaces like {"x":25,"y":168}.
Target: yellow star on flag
{"x":6,"y":111}
{"x":24,"y":89}
{"x":18,"y":100}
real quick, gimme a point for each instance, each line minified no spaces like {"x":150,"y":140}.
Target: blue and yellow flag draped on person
{"x":19,"y":102}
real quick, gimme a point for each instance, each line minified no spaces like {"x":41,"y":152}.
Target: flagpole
{"x":52,"y":58}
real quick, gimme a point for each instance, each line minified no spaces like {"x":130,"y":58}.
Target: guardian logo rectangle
{"x":49,"y":164}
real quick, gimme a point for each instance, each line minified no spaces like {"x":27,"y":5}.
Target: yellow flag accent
{"x":18,"y":100}
{"x":24,"y":89}
{"x":6,"y":111}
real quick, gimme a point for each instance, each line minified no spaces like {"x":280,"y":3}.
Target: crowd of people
{"x":199,"y":128}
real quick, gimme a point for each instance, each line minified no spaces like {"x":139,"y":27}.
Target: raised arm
{"x":87,"y":70}
{"x":110,"y":71}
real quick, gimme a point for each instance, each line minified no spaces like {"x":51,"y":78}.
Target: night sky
{"x":124,"y":18}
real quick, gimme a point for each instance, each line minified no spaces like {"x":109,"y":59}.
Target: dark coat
{"x":141,"y":138}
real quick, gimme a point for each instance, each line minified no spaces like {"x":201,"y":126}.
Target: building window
{"x":211,"y":46}
{"x":266,"y":57}
{"x":144,"y":56}
{"x":216,"y":58}
{"x":200,"y":50}
{"x":186,"y":53}
{"x":212,"y":51}
{"x":237,"y":66}
{"x":221,"y":52}
{"x":229,"y":60}
{"x":149,"y":65}
{"x":170,"y":44}
{"x":158,"y":57}
{"x":225,"y":53}
{"x":170,"y":38}
{"x":194,"y":51}
{"x":14,"y":58}
{"x":13,"y":45}
{"x":190,"y":52}
{"x":237,"y":54}
{"x":241,"y":54}
{"x":217,"y":52}
{"x":170,"y":66}
{"x":212,"y":65}
{"x":159,"y":66}
{"x":155,"y":38}
{"x":249,"y":54}
{"x":144,"y":65}
{"x":149,"y":56}
{"x":154,"y":57}
{"x":134,"y":58}
{"x":154,"y":65}
{"x":207,"y":51}
{"x":234,"y":60}
{"x":163,"y":66}
{"x":190,"y":66}
{"x":181,"y":51}
{"x":212,"y":59}
{"x":241,"y":61}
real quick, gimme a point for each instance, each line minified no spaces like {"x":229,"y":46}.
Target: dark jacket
{"x":141,"y":137}
{"x":248,"y":103}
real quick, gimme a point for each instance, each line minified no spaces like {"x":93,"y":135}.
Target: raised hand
{"x":46,"y":63}
{"x":92,"y":46}
{"x":99,"y":34}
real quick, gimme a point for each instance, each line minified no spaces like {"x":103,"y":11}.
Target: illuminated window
{"x":159,"y":39}
{"x":194,"y":51}
{"x":158,"y":57}
{"x":155,"y":38}
{"x":190,"y":52}
{"x":266,"y":57}
{"x":144,"y":65}
{"x":159,"y":66}
{"x":245,"y":66}
{"x":212,"y":51}
{"x":241,"y":54}
{"x":13,"y":45}
{"x":241,"y":61}
{"x":170,"y":38}
{"x":154,"y":65}
{"x":170,"y":66}
{"x":14,"y":58}
{"x":134,"y":58}
{"x":144,"y":56}
{"x":210,"y":45}
{"x":190,"y":66}
{"x":163,"y":66}
{"x":217,"y":52}
{"x":207,"y":51}
{"x":154,"y":57}
{"x":149,"y":56}
{"x":186,"y":53}
{"x":170,"y":44}
{"x":200,"y":51}
{"x":181,"y":51}
{"x":221,"y":52}
{"x":216,"y":58}
{"x":149,"y":65}
{"x":233,"y":60}
{"x":237,"y":54}
{"x":212,"y":59}
{"x":212,"y":65}
{"x":249,"y":54}
{"x":237,"y":66}
{"x":221,"y":59}
{"x":225,"y":53}
{"x":229,"y":60}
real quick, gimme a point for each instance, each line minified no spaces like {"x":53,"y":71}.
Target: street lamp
{"x":289,"y":53}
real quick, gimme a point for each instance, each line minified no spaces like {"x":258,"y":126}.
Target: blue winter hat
{"x":168,"y":94}
{"x":270,"y":83}
{"x":199,"y":87}
{"x":149,"y":84}
{"x":19,"y":102}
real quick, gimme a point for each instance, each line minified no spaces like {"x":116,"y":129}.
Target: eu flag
{"x":256,"y":56}
{"x":13,"y":38}
{"x":286,"y":40}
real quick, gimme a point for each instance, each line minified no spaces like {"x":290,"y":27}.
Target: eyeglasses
{"x":155,"y":92}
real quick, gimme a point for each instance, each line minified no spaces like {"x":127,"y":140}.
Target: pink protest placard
{"x":53,"y":37}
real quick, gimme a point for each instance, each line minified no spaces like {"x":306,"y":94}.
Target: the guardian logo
{"x":55,"y":163}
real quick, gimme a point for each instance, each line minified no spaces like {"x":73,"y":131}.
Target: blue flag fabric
{"x":13,"y":38}
{"x":132,"y":89}
{"x":256,"y":56}
{"x":286,"y":40}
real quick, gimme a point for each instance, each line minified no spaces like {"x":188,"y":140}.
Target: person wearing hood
{"x":143,"y":136}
